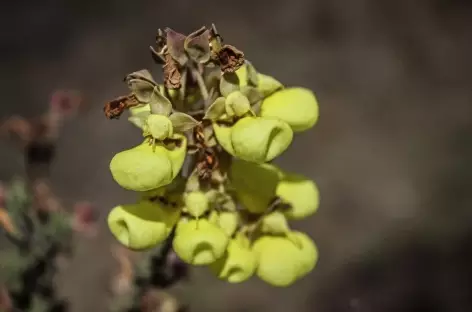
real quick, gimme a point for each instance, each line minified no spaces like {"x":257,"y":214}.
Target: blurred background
{"x":391,"y":153}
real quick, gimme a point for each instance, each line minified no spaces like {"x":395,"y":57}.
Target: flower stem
{"x":201,"y":83}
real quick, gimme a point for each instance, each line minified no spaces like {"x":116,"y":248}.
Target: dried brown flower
{"x":230,"y":58}
{"x":172,"y":75}
{"x":116,"y":107}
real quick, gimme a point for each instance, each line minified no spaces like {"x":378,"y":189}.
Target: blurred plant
{"x":139,"y":286}
{"x":34,"y":225}
{"x":203,"y":168}
{"x":37,"y":136}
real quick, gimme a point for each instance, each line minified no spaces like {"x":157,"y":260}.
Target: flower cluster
{"x":202,"y":170}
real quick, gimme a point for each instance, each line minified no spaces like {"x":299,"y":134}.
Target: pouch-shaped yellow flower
{"x":255,"y":139}
{"x":301,"y":193}
{"x":146,"y":167}
{"x":142,"y":225}
{"x":200,"y":242}
{"x":239,"y":262}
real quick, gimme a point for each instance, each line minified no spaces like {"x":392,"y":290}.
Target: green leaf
{"x":197,"y":45}
{"x":142,"y":74}
{"x":182,"y":122}
{"x":139,"y":120}
{"x":216,"y":110}
{"x":141,"y":89}
{"x":175,"y":44}
{"x":252,"y":77}
{"x":253,"y":94}
{"x":268,"y":85}
{"x":229,"y":82}
{"x":159,"y":104}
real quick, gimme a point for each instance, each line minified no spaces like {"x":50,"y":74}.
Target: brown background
{"x":391,"y":152}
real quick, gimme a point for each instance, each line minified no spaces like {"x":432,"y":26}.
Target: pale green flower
{"x":238,"y":264}
{"x":199,"y":242}
{"x":298,"y":107}
{"x":146,"y":167}
{"x":142,"y":225}
{"x":282,"y":261}
{"x":255,"y":139}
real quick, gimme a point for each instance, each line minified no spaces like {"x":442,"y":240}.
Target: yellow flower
{"x":159,"y":126}
{"x":281,"y":261}
{"x":142,"y":225}
{"x":146,"y":167}
{"x":199,"y":242}
{"x":298,"y":107}
{"x":255,"y":139}
{"x":239,"y":262}
{"x":301,"y":193}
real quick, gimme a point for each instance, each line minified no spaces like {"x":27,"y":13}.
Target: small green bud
{"x":237,"y":104}
{"x":238,"y":264}
{"x":199,"y":242}
{"x":142,"y":225}
{"x":300,"y":193}
{"x":255,"y":139}
{"x":275,"y":223}
{"x":144,"y":167}
{"x":196,"y":203}
{"x":296,"y":106}
{"x":159,"y":126}
{"x":228,"y":221}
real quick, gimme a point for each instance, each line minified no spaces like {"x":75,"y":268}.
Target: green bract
{"x":239,"y":262}
{"x":296,"y":106}
{"x":146,"y":167}
{"x":142,"y":225}
{"x":255,"y":139}
{"x":200,"y":242}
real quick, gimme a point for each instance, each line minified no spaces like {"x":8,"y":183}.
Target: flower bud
{"x":300,"y":193}
{"x":228,"y":221}
{"x":297,"y":107}
{"x":237,"y":103}
{"x":275,"y":223}
{"x":281,"y":261}
{"x":196,"y":203}
{"x":159,"y":126}
{"x":238,"y":264}
{"x":255,"y":139}
{"x":144,"y":167}
{"x":199,"y":242}
{"x":255,"y":184}
{"x":142,"y":225}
